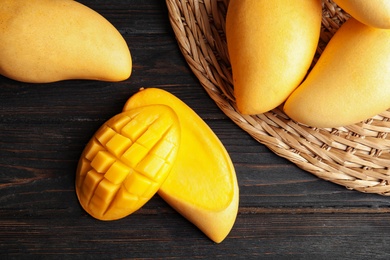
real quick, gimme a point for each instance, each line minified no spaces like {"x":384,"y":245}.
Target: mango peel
{"x":195,"y":174}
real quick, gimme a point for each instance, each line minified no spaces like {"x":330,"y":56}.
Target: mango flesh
{"x":126,"y":161}
{"x":375,"y":13}
{"x":271,"y":46}
{"x":202,"y":185}
{"x":350,"y":81}
{"x":45,"y":41}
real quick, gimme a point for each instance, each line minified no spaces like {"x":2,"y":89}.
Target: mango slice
{"x":45,"y":41}
{"x":202,"y":185}
{"x":127,"y":160}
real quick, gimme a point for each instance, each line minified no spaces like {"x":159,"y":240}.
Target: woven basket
{"x":356,"y":156}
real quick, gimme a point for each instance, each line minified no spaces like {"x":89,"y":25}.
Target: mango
{"x":350,"y":81}
{"x":45,"y":41}
{"x":202,"y":185}
{"x":375,"y":13}
{"x":271,"y":45}
{"x":126,"y":161}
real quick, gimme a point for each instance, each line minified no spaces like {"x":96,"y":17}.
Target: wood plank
{"x":344,"y":236}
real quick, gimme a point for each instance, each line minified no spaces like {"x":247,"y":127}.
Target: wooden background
{"x":284,"y":211}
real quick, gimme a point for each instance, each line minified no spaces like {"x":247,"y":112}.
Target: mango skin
{"x":375,"y":13}
{"x":201,"y":158}
{"x":271,"y":46}
{"x":350,"y":81}
{"x":45,"y":41}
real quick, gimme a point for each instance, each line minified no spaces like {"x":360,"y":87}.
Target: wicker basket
{"x":356,"y":156}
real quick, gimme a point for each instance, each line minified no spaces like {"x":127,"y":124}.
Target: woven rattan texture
{"x":356,"y":156}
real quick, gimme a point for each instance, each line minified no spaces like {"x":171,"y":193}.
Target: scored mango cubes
{"x":127,"y":160}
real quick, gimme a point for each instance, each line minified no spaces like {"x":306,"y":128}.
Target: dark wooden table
{"x":284,"y":211}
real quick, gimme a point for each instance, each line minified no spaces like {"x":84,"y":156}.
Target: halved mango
{"x":202,"y":185}
{"x":127,"y":160}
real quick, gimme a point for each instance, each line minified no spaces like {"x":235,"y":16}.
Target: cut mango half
{"x":126,"y":161}
{"x":202,"y":185}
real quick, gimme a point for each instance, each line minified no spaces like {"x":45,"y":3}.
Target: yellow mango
{"x":202,"y":185}
{"x":45,"y":41}
{"x":271,"y":45}
{"x":126,"y":161}
{"x":375,"y":13}
{"x":350,"y":81}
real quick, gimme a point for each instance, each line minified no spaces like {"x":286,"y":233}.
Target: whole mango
{"x":375,"y":13}
{"x":46,"y":41}
{"x":350,"y":81}
{"x":271,"y":46}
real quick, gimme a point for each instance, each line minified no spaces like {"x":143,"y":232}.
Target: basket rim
{"x":355,"y":156}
